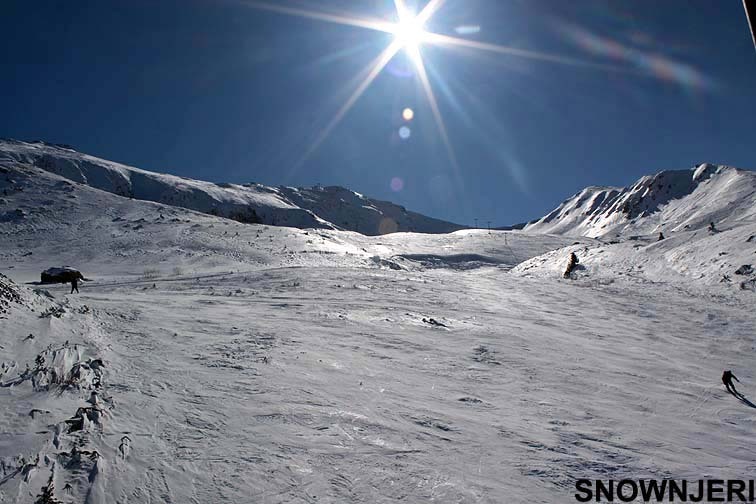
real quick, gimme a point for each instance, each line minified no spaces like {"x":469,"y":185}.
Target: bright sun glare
{"x":409,"y":32}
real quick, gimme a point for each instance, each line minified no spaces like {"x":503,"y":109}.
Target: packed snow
{"x":211,"y":360}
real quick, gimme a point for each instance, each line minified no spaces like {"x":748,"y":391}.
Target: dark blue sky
{"x":220,"y":91}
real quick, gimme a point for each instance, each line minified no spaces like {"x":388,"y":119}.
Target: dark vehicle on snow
{"x":61,"y":275}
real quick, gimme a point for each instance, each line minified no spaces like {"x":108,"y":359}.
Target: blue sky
{"x":223,"y":91}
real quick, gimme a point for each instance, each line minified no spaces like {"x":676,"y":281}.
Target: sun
{"x":409,"y":32}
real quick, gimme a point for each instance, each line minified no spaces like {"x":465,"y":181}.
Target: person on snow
{"x":727,"y":377}
{"x":74,"y":285}
{"x":661,"y":236}
{"x":571,"y":264}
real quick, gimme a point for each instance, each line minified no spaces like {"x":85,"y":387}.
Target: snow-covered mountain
{"x":659,"y":230}
{"x":77,"y":224}
{"x":319,"y":207}
{"x":210,"y":360}
{"x":346,"y":209}
{"x":669,"y":201}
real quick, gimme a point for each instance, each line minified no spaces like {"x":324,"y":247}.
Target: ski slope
{"x":238,"y":362}
{"x":678,"y":206}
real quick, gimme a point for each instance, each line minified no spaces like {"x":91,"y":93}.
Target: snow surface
{"x":681,"y":205}
{"x":238,"y":362}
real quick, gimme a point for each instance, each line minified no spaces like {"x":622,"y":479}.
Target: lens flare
{"x":409,"y":34}
{"x":397,"y":184}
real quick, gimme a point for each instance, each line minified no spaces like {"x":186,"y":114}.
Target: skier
{"x":571,"y":264}
{"x":727,"y":377}
{"x":661,"y":236}
{"x":74,"y":285}
{"x":712,"y":227}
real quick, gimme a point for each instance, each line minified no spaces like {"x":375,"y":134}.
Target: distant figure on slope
{"x":727,"y":377}
{"x":571,"y":264}
{"x":74,"y":285}
{"x":661,"y":236}
{"x":712,"y":227}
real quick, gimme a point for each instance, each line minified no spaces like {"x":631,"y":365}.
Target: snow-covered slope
{"x":350,"y":210}
{"x":669,"y":201}
{"x":253,"y":203}
{"x":688,"y":259}
{"x":325,"y":208}
{"x":208,"y":360}
{"x":55,"y":400}
{"x":680,"y":205}
{"x":78,"y":225}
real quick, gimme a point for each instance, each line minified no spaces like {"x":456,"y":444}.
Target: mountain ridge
{"x":330,"y":207}
{"x":670,"y":200}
